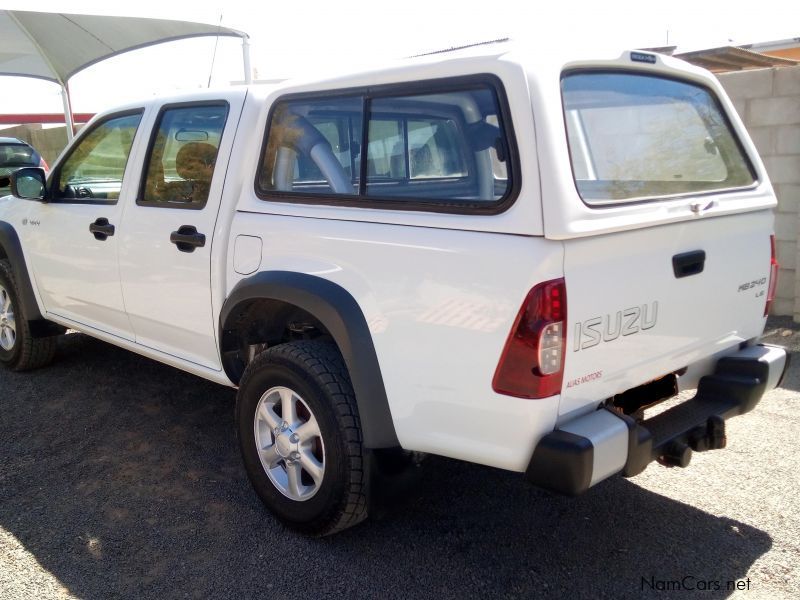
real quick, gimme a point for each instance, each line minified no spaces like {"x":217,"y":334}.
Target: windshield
{"x":634,"y":137}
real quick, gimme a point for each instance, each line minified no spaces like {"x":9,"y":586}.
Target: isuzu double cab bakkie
{"x":488,"y":255}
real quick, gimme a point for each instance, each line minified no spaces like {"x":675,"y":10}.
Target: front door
{"x":74,"y":235}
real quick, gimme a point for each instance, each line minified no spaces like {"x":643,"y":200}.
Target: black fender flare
{"x":9,"y":241}
{"x":341,"y":315}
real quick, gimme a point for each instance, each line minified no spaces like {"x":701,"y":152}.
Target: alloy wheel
{"x":289,"y":443}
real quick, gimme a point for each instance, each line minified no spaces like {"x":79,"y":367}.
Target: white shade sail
{"x":55,"y":46}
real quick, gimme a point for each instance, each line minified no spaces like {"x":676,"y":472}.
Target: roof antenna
{"x":214,"y":56}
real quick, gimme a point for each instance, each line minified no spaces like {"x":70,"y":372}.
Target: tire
{"x":296,"y":403}
{"x":19,"y":350}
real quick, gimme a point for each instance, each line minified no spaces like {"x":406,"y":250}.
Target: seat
{"x":194,"y":163}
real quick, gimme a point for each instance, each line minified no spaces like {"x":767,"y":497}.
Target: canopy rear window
{"x":634,"y":137}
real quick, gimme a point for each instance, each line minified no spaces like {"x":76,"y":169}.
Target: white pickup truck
{"x":531,"y":253}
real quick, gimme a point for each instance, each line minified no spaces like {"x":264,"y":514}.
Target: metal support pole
{"x":67,"y":112}
{"x":248,"y":71}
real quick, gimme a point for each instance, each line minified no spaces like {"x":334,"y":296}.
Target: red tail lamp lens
{"x":773,"y":276}
{"x":532,"y":363}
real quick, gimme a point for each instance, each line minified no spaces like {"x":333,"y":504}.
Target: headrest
{"x":193,"y":158}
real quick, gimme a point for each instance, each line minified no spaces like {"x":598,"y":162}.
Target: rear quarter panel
{"x":439,"y":304}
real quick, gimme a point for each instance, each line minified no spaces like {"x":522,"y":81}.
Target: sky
{"x":297,"y":37}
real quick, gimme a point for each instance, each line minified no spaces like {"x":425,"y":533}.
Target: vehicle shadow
{"x":122,"y":478}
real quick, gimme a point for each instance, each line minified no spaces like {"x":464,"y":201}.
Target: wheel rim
{"x":8,"y":326}
{"x":289,"y":443}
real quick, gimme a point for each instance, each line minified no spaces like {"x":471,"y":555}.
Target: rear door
{"x":682,"y":268}
{"x":167,"y":233}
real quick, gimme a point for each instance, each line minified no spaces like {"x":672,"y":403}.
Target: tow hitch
{"x":700,"y":439}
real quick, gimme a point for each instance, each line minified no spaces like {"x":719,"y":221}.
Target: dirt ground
{"x":120,"y":478}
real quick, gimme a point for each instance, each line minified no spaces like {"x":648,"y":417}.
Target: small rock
{"x":786,"y":333}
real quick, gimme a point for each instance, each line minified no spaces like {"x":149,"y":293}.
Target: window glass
{"x":499,"y":168}
{"x":342,"y":134}
{"x":313,"y":147}
{"x":436,"y":147}
{"x":14,"y":155}
{"x":637,"y":136}
{"x":183,"y":155}
{"x":93,"y":171}
{"x":386,"y":151}
{"x":17,"y":155}
{"x":447,"y":147}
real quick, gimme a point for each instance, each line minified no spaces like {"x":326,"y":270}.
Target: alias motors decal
{"x":585,"y":379}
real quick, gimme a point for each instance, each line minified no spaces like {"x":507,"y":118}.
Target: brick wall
{"x":768,"y":101}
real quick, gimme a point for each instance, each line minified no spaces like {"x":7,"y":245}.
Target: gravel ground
{"x":120,"y":478}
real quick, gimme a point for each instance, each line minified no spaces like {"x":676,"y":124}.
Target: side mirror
{"x":29,"y":183}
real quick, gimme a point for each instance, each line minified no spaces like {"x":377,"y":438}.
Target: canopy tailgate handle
{"x":688,"y":263}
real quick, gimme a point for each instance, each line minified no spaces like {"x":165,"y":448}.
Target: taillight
{"x":532,"y":363}
{"x":773,"y":276}
{"x":43,"y":165}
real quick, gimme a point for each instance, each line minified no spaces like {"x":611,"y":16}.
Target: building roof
{"x":774,"y":45}
{"x":733,"y":58}
{"x":782,"y":48}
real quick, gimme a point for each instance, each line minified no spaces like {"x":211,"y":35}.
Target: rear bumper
{"x":591,"y":448}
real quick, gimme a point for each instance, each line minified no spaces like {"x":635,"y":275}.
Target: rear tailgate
{"x":666,"y":224}
{"x":635,"y":315}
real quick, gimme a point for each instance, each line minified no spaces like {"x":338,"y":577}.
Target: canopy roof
{"x":55,"y":46}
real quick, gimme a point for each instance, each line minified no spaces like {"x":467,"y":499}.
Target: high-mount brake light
{"x":773,"y":276}
{"x":532,"y":362}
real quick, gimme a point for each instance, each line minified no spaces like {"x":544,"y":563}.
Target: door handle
{"x":688,"y":263}
{"x":101,"y":229}
{"x":187,"y":238}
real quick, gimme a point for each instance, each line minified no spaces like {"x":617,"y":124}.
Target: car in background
{"x":15,"y":154}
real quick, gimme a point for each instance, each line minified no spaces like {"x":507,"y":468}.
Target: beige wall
{"x":768,"y":100}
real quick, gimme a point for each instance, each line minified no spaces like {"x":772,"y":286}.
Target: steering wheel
{"x":83,"y":192}
{"x":76,"y":192}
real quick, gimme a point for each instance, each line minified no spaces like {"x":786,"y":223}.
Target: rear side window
{"x":443,"y":146}
{"x":182,"y":156}
{"x":634,"y":137}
